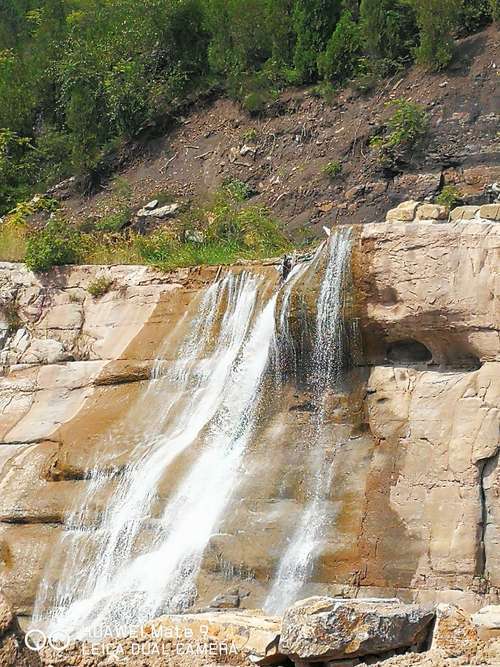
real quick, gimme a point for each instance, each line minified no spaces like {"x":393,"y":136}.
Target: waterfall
{"x":190,"y":429}
{"x":211,"y":394}
{"x":296,"y":565}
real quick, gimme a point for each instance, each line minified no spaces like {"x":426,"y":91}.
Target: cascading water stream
{"x":140,"y":557}
{"x":197,"y":390}
{"x":297,"y":562}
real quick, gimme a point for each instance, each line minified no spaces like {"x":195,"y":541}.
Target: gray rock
{"x":323,"y":628}
{"x":162,"y":212}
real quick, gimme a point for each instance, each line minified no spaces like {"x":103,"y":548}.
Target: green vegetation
{"x":405,"y":131}
{"x":237,"y":190}
{"x":55,"y":244}
{"x":80,"y":78}
{"x":436,"y":19}
{"x":449,"y":196}
{"x":332,"y":169}
{"x":219,"y":233}
{"x":100,"y":286}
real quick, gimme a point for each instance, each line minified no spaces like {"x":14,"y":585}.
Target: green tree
{"x":389,"y":29}
{"x":339,"y":60}
{"x":436,"y":19}
{"x":314,"y":22}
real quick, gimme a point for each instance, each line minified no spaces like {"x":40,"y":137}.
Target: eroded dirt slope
{"x":282,"y":154}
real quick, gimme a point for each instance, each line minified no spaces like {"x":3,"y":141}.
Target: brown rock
{"x":13,"y":650}
{"x":464,"y":213}
{"x":432,"y":212}
{"x":248,"y":633}
{"x":321,"y":628}
{"x":487,"y":622}
{"x":490,"y":212}
{"x":405,"y":212}
{"x":454,"y":634}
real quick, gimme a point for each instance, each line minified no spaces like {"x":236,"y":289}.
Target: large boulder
{"x":13,"y":650}
{"x":248,"y":634}
{"x":323,"y":628}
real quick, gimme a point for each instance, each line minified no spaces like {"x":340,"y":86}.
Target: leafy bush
{"x":332,"y":169}
{"x":389,"y":30}
{"x":114,"y":222}
{"x":474,"y":15}
{"x":249,"y":135}
{"x":237,"y":190}
{"x":100,"y":286}
{"x":405,"y":131}
{"x":449,"y":196}
{"x":314,"y":22}
{"x":229,"y":232}
{"x":340,"y":59}
{"x":57,"y":243}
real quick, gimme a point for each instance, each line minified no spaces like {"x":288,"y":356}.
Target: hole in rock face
{"x":408,"y":351}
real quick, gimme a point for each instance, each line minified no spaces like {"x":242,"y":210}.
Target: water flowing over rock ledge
{"x":418,"y":458}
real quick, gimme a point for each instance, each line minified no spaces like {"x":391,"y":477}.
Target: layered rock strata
{"x":412,"y":510}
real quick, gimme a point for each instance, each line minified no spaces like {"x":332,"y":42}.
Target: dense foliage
{"x":220,"y":232}
{"x":78,"y":78}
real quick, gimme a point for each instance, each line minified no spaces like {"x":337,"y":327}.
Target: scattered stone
{"x":151,"y":205}
{"x":487,"y":622}
{"x":325,"y":206}
{"x":323,"y":628}
{"x":352,"y":193}
{"x":162,"y":212}
{"x":464,"y":213}
{"x":453,"y":634}
{"x":229,"y":600}
{"x":490,"y":212}
{"x":405,"y":212}
{"x":432,"y":212}
{"x":244,"y":150}
{"x":194,"y":236}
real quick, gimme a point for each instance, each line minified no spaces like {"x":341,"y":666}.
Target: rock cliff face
{"x":413,"y":506}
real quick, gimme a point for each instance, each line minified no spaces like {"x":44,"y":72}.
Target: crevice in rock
{"x":485,"y":466}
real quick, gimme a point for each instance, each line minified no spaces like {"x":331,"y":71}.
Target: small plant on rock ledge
{"x":449,"y":196}
{"x":100,"y":286}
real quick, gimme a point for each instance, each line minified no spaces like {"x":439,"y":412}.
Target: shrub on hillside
{"x":405,"y":131}
{"x":100,"y":286}
{"x":57,"y":243}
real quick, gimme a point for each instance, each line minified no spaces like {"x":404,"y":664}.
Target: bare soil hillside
{"x":282,"y":154}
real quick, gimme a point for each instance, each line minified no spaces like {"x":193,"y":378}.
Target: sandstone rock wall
{"x":413,"y":507}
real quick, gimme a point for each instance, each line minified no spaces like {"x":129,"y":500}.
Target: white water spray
{"x":296,"y":566}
